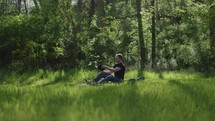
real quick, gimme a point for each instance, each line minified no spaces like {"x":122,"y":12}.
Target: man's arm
{"x":113,"y":70}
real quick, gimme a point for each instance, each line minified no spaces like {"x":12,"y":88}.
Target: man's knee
{"x":103,"y":74}
{"x":108,"y":78}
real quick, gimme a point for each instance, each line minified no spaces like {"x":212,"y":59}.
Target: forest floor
{"x":55,"y":96}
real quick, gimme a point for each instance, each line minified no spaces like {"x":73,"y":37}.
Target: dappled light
{"x":107,"y":60}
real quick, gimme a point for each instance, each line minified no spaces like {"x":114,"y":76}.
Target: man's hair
{"x":119,"y":55}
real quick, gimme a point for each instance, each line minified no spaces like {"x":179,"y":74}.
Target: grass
{"x":54,"y":96}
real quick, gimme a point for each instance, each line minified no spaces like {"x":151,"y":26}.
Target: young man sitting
{"x":106,"y":75}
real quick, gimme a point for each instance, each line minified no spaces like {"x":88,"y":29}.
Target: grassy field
{"x":55,"y":96}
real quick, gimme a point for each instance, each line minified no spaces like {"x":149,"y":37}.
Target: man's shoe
{"x":90,"y":82}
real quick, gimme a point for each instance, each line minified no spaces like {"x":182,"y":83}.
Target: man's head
{"x":118,"y":58}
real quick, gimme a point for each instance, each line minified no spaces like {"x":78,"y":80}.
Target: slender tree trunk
{"x":126,"y":1}
{"x":80,"y":5}
{"x":101,"y":12}
{"x":26,"y":8}
{"x":19,"y":6}
{"x":91,"y":10}
{"x":140,"y":32}
{"x":153,"y":36}
{"x":36,"y":4}
{"x":212,"y":32}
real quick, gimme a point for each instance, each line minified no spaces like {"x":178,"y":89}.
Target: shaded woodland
{"x":65,"y":34}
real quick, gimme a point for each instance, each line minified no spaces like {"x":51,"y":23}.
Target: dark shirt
{"x":120,"y":74}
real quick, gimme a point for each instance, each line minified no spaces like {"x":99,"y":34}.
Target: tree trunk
{"x":80,"y":5}
{"x":153,"y":36}
{"x":36,"y":4}
{"x":212,"y":32}
{"x":19,"y":6}
{"x":140,"y":32}
{"x":26,"y":8}
{"x":101,"y":12}
{"x":126,"y":1}
{"x":91,"y":10}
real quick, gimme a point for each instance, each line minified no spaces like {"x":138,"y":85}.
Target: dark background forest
{"x":65,"y":34}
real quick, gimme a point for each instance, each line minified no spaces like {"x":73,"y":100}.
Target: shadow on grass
{"x":160,"y":75}
{"x":210,"y":74}
{"x":62,"y":77}
{"x":128,"y":101}
{"x":201,"y":99}
{"x":140,"y":73}
{"x":7,"y":77}
{"x":140,"y":76}
{"x":123,"y":102}
{"x":50,"y":77}
{"x":48,"y":105}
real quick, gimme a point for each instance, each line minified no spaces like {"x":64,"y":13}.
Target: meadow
{"x":56,"y":96}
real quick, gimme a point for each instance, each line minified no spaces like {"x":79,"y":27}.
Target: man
{"x":118,"y":70}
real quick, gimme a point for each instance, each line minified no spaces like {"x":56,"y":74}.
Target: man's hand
{"x":104,"y":66}
{"x":111,"y":69}
{"x":107,"y":71}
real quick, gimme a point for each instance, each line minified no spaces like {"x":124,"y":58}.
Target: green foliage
{"x":36,"y":41}
{"x":58,"y":34}
{"x":186,"y":39}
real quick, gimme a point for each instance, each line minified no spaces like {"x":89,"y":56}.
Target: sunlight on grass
{"x":53,"y":95}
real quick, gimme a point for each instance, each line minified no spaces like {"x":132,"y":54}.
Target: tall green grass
{"x":55,"y":96}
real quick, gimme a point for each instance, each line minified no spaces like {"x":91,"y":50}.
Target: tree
{"x":26,"y":8}
{"x":36,"y":4}
{"x":212,"y":31}
{"x":65,"y":33}
{"x":80,"y":5}
{"x":153,"y":36}
{"x":91,"y":10}
{"x":19,"y":3}
{"x":140,"y":32}
{"x":101,"y":12}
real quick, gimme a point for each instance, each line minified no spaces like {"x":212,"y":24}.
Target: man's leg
{"x":100,"y":76}
{"x":110,"y":78}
